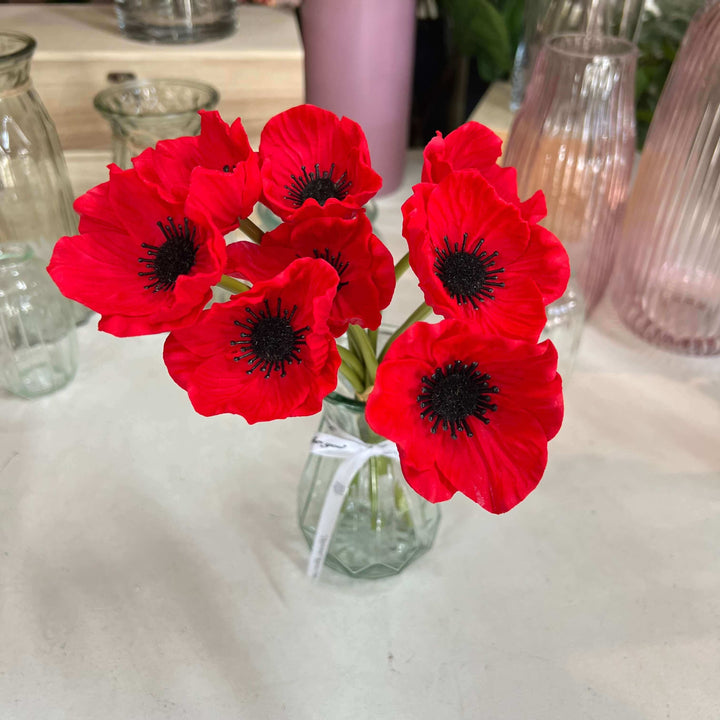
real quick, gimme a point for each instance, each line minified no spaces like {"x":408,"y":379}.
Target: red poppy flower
{"x":475,"y":147}
{"x":266,"y":353}
{"x":469,"y":413}
{"x":472,"y":146}
{"x":364,"y":264}
{"x":217,"y":171}
{"x":309,"y":155}
{"x":145,"y":264}
{"x":477,"y":260}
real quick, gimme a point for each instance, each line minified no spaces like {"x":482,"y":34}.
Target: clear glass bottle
{"x":667,"y":280}
{"x":141,"y":112}
{"x":38,"y":344}
{"x":35,"y":193}
{"x":384,"y":524}
{"x":574,"y":138}
{"x":565,"y":323}
{"x":176,"y":21}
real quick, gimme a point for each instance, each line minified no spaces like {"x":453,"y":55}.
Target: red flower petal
{"x":221,"y":361}
{"x":427,"y":483}
{"x":504,"y":180}
{"x":469,"y":250}
{"x":309,"y":155}
{"x":144,"y":265}
{"x":429,"y":381}
{"x":471,"y":147}
{"x":547,"y":262}
{"x":365,"y":265}
{"x":217,"y":172}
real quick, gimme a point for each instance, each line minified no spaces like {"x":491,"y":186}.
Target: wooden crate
{"x":258,"y":70}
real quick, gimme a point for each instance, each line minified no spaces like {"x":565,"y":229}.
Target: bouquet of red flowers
{"x":471,"y":401}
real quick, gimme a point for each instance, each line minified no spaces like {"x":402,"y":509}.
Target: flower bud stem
{"x":402,"y":265}
{"x":251,"y":230}
{"x":232,"y":285}
{"x":421,"y":312}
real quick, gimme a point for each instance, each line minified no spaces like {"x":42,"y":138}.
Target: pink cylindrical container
{"x":358,"y":63}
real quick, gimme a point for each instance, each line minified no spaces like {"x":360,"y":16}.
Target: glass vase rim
{"x":595,"y":46}
{"x":101,"y":104}
{"x":337,"y":398}
{"x":15,"y":253}
{"x":23,"y":52}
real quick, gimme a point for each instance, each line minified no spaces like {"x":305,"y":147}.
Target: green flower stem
{"x":368,"y":354}
{"x":232,"y":285}
{"x":421,"y":312}
{"x":373,"y":467}
{"x":372,"y":337}
{"x":251,"y":230}
{"x":352,"y":361}
{"x":353,"y":378}
{"x":402,"y":265}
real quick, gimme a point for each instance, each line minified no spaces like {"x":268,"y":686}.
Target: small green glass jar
{"x":384,"y":524}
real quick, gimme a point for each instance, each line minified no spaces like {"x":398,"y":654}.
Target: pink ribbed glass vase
{"x":667,"y":286}
{"x":574,"y":137}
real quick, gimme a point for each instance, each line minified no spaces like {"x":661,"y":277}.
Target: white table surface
{"x":151,"y":565}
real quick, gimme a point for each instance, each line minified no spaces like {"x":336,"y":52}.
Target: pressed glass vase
{"x":35,"y":194}
{"x":574,"y":138}
{"x":667,"y":283}
{"x":383,"y":524}
{"x":38,"y":344}
{"x":142,"y":112}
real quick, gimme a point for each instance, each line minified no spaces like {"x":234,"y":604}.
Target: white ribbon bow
{"x":355,"y":453}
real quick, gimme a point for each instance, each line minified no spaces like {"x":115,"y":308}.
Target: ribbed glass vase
{"x":667,"y":282}
{"x":35,"y":193}
{"x":383,"y":524}
{"x":574,"y":137}
{"x":545,"y":18}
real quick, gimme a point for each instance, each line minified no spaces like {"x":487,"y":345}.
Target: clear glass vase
{"x":667,"y":282}
{"x":176,"y":21}
{"x":384,"y":524}
{"x":574,"y":138}
{"x":35,"y":193}
{"x":38,"y":344}
{"x":545,"y":18}
{"x":142,"y":112}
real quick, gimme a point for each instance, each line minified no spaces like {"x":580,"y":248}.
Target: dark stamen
{"x":467,"y":275}
{"x":454,"y":394}
{"x":336,"y":262}
{"x":268,"y":341}
{"x":317,"y":185}
{"x":173,"y":257}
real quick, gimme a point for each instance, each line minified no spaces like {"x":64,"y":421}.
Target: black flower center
{"x":467,"y":275}
{"x":317,"y":185}
{"x":336,"y":261}
{"x":269,"y":342}
{"x":174,"y":257}
{"x":454,"y":394}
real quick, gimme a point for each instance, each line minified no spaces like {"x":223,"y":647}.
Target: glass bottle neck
{"x":16,"y":51}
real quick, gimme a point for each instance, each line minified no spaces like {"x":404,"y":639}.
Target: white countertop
{"x":151,"y":566}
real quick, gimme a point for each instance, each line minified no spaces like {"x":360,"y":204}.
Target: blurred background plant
{"x":465,"y":45}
